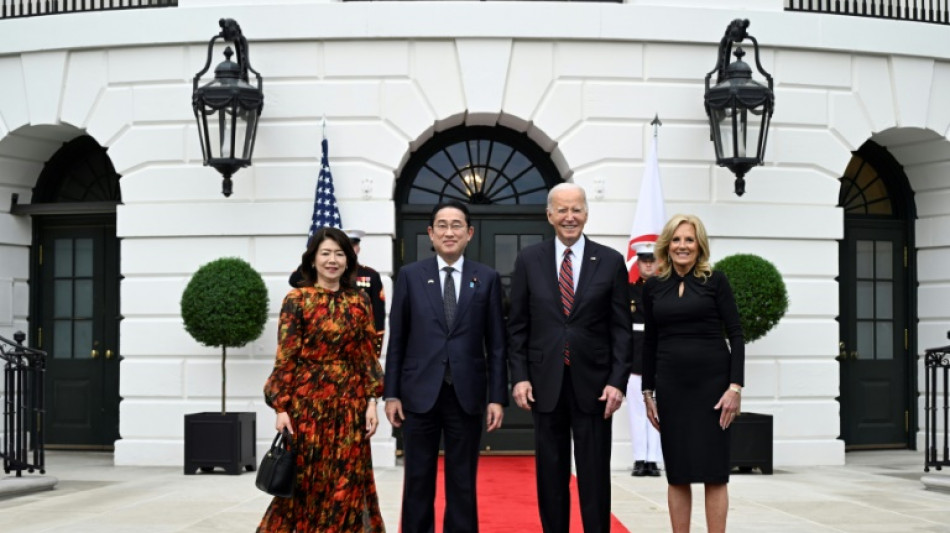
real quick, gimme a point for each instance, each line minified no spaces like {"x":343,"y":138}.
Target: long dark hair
{"x":309,"y":272}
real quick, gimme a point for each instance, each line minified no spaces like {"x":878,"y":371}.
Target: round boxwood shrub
{"x":225,"y":304}
{"x":759,"y":291}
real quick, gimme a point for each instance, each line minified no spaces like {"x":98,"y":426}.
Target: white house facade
{"x":851,"y":204}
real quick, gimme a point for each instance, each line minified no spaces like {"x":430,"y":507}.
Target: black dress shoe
{"x":650,"y":469}
{"x":639,"y":469}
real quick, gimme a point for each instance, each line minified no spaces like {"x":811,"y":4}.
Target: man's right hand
{"x":523,"y":395}
{"x":394,"y":412}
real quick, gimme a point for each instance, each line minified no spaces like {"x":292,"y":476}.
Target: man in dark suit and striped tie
{"x":569,"y":355}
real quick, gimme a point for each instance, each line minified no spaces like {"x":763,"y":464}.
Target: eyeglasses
{"x":442,"y":227}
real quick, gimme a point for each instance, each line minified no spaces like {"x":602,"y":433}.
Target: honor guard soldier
{"x":369,"y":281}
{"x":646,"y":439}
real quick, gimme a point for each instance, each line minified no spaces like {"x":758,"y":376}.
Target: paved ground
{"x":874,"y":492}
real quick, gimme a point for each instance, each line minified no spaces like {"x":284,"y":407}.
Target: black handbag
{"x":278,"y":470}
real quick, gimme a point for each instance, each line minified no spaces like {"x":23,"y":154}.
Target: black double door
{"x":76,"y":302}
{"x":496,"y":243}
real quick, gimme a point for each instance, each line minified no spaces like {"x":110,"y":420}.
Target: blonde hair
{"x":662,"y":250}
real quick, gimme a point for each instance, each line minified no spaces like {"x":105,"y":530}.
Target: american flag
{"x":326,"y":212}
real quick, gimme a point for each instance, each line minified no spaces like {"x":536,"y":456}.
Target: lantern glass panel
{"x":202,"y":121}
{"x":722,"y":133}
{"x":765,"y":121}
{"x":225,"y":133}
{"x":250,"y":133}
{"x":758,"y":124}
{"x":230,"y":130}
{"x":742,"y":132}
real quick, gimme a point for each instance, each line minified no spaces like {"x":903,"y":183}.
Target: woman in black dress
{"x":692,"y":378}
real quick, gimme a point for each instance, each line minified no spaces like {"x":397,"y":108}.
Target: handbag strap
{"x":283,"y":440}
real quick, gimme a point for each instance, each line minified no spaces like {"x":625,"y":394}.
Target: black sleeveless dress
{"x":689,"y":364}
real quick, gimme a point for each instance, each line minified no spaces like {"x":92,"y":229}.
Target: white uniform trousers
{"x":646,"y":439}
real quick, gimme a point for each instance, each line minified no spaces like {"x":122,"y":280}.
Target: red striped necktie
{"x":566,"y":283}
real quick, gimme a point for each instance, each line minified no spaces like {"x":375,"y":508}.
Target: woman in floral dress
{"x":323,"y":387}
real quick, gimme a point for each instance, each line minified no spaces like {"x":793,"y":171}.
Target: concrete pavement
{"x":878,"y":491}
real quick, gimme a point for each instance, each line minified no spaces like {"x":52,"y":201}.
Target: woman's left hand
{"x":372,"y":421}
{"x":729,"y":406}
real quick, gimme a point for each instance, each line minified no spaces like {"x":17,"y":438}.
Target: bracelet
{"x":649,"y":394}
{"x":372,"y":400}
{"x":735,"y":389}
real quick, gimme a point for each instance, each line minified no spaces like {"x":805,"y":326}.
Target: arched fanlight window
{"x":79,"y":172}
{"x":867,"y":186}
{"x":479,"y":165}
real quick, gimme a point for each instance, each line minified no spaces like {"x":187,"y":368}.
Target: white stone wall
{"x":583,"y":80}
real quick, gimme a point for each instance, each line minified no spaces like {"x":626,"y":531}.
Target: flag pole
{"x":650,"y":214}
{"x":656,"y":123}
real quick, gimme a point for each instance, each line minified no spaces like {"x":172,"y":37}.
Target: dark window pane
{"x":63,"y":258}
{"x":864,"y":260}
{"x":424,"y":247}
{"x":84,"y":259}
{"x":884,"y":344}
{"x":63,"y":298}
{"x":865,"y":340}
{"x":865,"y":299}
{"x":83,"y":295}
{"x":82,"y":338}
{"x":528,"y":240}
{"x":62,"y":339}
{"x":506,"y":249}
{"x":883,"y":260}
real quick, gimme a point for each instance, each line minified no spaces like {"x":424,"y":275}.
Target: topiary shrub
{"x":225,"y":304}
{"x":759,"y":291}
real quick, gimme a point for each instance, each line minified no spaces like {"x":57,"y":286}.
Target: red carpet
{"x":508,"y":499}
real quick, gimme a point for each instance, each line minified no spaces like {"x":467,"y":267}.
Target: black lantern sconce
{"x":739,"y":108}
{"x":228,"y":108}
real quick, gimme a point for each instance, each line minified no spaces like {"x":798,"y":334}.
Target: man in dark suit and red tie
{"x":445,"y":371}
{"x":569,"y":354}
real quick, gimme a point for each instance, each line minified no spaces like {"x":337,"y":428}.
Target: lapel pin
{"x":430,"y":282}
{"x":593,"y":258}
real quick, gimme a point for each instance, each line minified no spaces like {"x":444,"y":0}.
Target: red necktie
{"x":566,"y":283}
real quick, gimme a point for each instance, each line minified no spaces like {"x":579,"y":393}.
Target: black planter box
{"x":751,"y":445}
{"x":225,"y":440}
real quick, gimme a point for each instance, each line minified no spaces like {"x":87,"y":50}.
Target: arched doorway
{"x":504,"y":178}
{"x":74,"y":295}
{"x":877,"y":307}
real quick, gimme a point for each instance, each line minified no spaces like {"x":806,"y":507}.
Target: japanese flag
{"x":650,"y":215}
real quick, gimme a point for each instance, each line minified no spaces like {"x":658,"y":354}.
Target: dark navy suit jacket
{"x":598,"y":328}
{"x":420,"y":342}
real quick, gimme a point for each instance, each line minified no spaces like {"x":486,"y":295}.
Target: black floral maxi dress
{"x":325,"y":372}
